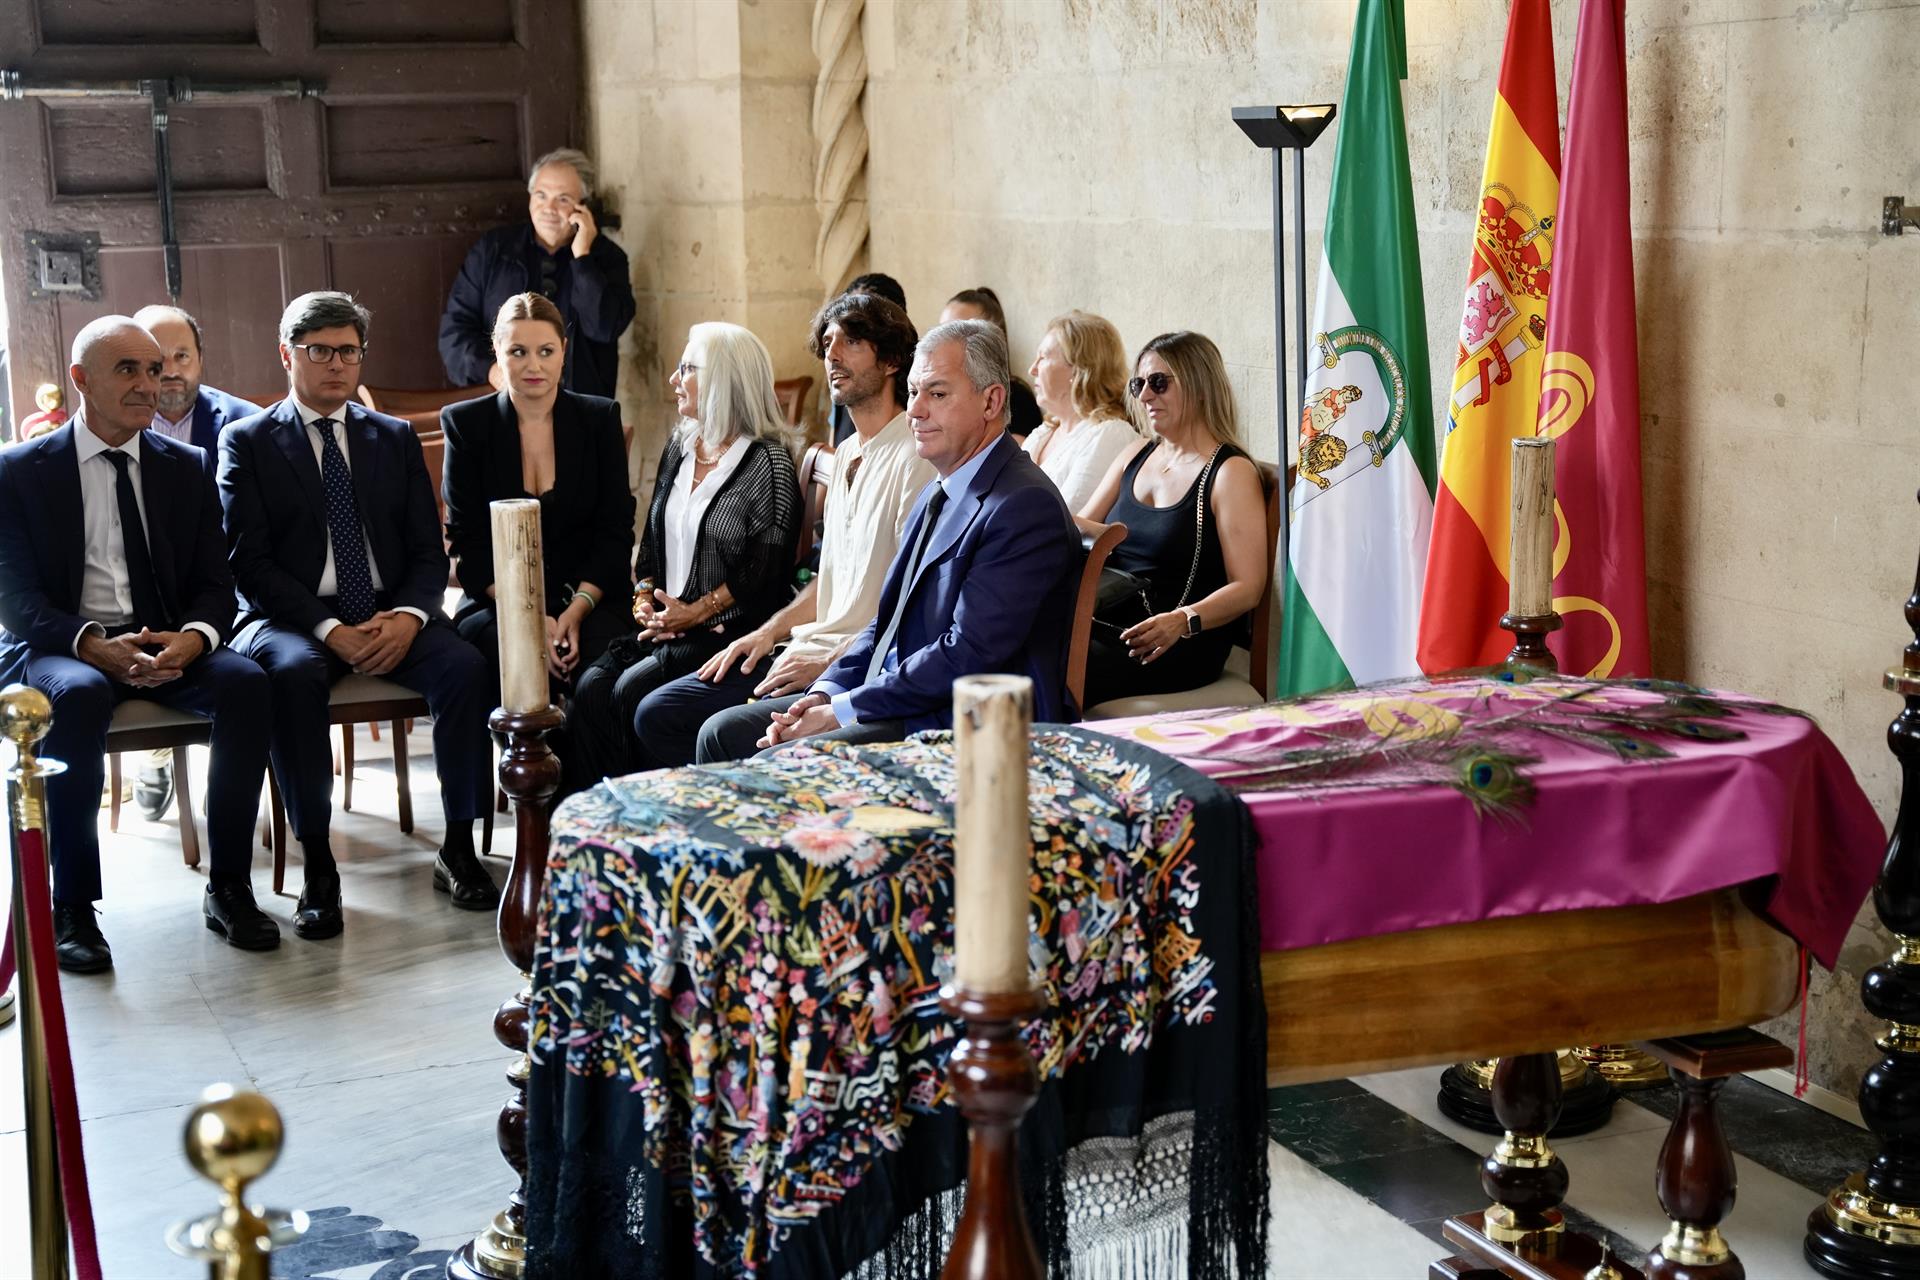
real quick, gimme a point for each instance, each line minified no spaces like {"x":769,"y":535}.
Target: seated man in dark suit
{"x":982,"y":581}
{"x":336,"y":551}
{"x":113,"y":585}
{"x":187,"y":410}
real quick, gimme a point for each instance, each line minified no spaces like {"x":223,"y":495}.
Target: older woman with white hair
{"x":716,"y":555}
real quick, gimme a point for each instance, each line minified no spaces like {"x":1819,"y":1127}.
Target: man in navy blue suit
{"x":186,"y":408}
{"x":981,"y":583}
{"x":190,"y":411}
{"x":114,"y":585}
{"x":337,"y":553}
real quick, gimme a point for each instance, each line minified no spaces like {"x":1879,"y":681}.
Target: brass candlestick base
{"x":1623,"y":1066}
{"x":1530,"y":632}
{"x":232,"y":1138}
{"x":1586,"y":1100}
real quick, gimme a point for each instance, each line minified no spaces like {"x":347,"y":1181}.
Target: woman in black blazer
{"x":535,"y":439}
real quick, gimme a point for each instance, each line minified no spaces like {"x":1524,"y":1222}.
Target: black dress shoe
{"x":318,"y":915}
{"x":232,"y":913}
{"x":78,"y":945}
{"x":461,"y":876}
{"x":153,"y":789}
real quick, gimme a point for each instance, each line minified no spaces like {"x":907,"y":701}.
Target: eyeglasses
{"x":684,"y":368}
{"x":321,"y":353}
{"x":1158,"y":381}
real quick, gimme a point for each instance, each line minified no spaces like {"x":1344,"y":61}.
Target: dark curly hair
{"x":872,"y":319}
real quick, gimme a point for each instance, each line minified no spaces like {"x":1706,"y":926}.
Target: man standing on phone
{"x":560,"y":253}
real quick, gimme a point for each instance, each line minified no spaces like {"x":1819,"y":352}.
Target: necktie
{"x":353,"y":581}
{"x":925,"y":535}
{"x":147,"y":609}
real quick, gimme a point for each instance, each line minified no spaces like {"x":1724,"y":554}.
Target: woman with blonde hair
{"x":1196,"y":530}
{"x":716,"y":556}
{"x":1080,"y":381}
{"x":535,"y":439}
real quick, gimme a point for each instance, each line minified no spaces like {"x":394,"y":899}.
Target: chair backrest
{"x":1266,"y":614}
{"x":434,"y":446}
{"x":816,"y":477}
{"x":792,"y":395}
{"x":401,"y":402}
{"x":1099,"y":546}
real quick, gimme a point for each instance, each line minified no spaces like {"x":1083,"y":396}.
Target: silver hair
{"x":736,"y":386}
{"x":94,"y":331}
{"x":325,"y":309}
{"x":577,"y":160}
{"x":986,"y":353}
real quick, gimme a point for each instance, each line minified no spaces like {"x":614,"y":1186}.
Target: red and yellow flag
{"x":1590,"y":389}
{"x":1496,"y":376}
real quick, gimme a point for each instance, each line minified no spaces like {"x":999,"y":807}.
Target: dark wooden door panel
{"x":428,"y":113}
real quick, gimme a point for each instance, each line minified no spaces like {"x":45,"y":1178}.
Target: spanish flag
{"x":1497,"y":364}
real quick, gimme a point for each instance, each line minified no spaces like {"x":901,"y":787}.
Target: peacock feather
{"x":1492,"y":781}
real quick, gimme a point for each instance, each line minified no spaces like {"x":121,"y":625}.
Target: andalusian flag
{"x":1496,"y":374}
{"x":1363,"y":501}
{"x":1590,"y":388}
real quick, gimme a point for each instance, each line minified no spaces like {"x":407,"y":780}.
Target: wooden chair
{"x":1244,"y":683}
{"x":140,"y":725}
{"x":792,"y":395}
{"x":358,"y":699}
{"x":816,"y":477}
{"x":1099,"y":547}
{"x":421,"y":408}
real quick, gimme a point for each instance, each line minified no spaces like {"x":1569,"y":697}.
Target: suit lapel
{"x":297,"y":444}
{"x":364,"y":461}
{"x":955,"y":526}
{"x":156,"y":501}
{"x":59,"y":473}
{"x":506,"y":446}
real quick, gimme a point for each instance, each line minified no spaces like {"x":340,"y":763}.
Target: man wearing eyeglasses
{"x":558,"y":252}
{"x":337,"y":556}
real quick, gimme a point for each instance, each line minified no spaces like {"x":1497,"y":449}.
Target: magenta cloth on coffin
{"x":1374,"y":851}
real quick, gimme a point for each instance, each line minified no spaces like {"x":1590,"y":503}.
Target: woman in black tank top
{"x":1190,"y":479}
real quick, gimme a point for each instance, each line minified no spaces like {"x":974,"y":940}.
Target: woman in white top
{"x":716,"y":555}
{"x":1080,"y":379}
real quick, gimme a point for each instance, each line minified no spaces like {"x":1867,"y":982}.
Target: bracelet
{"x":592,"y":604}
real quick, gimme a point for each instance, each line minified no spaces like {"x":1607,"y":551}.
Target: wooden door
{"x":426,"y":116}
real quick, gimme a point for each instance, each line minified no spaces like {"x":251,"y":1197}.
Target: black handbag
{"x":1123,"y":600}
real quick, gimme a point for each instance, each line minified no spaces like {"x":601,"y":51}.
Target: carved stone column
{"x":840,"y":141}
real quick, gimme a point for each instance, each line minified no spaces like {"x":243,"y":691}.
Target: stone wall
{"x":697,"y":114}
{"x":1079,"y":153}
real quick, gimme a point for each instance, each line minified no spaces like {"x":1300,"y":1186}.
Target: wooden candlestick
{"x":529,"y":775}
{"x":1869,"y":1227}
{"x":520,"y":603}
{"x":993,"y":1078}
{"x":995,"y":1084}
{"x":992,"y":845}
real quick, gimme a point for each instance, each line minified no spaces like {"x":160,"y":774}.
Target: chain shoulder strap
{"x":1200,"y":523}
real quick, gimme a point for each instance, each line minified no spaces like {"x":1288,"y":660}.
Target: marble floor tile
{"x":1416,"y":1093}
{"x":1794,"y":1140}
{"x":1323,"y":1231}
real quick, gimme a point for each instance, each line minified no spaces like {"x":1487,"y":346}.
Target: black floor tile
{"x":1777,"y":1132}
{"x":1416,"y":1185}
{"x":1348,"y":1127}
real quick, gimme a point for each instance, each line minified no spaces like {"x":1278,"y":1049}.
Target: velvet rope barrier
{"x":47,"y":1058}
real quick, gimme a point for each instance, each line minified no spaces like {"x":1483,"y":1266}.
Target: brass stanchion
{"x":232,"y":1138}
{"x":25,"y":717}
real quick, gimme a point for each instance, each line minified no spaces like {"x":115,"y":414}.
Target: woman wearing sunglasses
{"x":1196,"y":530}
{"x":1080,"y":380}
{"x":716,"y":552}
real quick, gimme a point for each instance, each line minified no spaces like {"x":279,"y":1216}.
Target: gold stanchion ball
{"x":233,"y":1136}
{"x":25,"y":714}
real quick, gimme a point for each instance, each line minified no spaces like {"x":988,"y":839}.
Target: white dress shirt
{"x":181,"y":430}
{"x":687,"y":505}
{"x":329,"y":583}
{"x":106,"y":591}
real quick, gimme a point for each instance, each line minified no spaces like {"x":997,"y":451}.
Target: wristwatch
{"x":1193,"y":619}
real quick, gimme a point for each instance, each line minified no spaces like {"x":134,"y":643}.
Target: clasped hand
{"x":661,"y":617}
{"x":127,"y":659}
{"x":376,"y":646}
{"x":812,"y":714}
